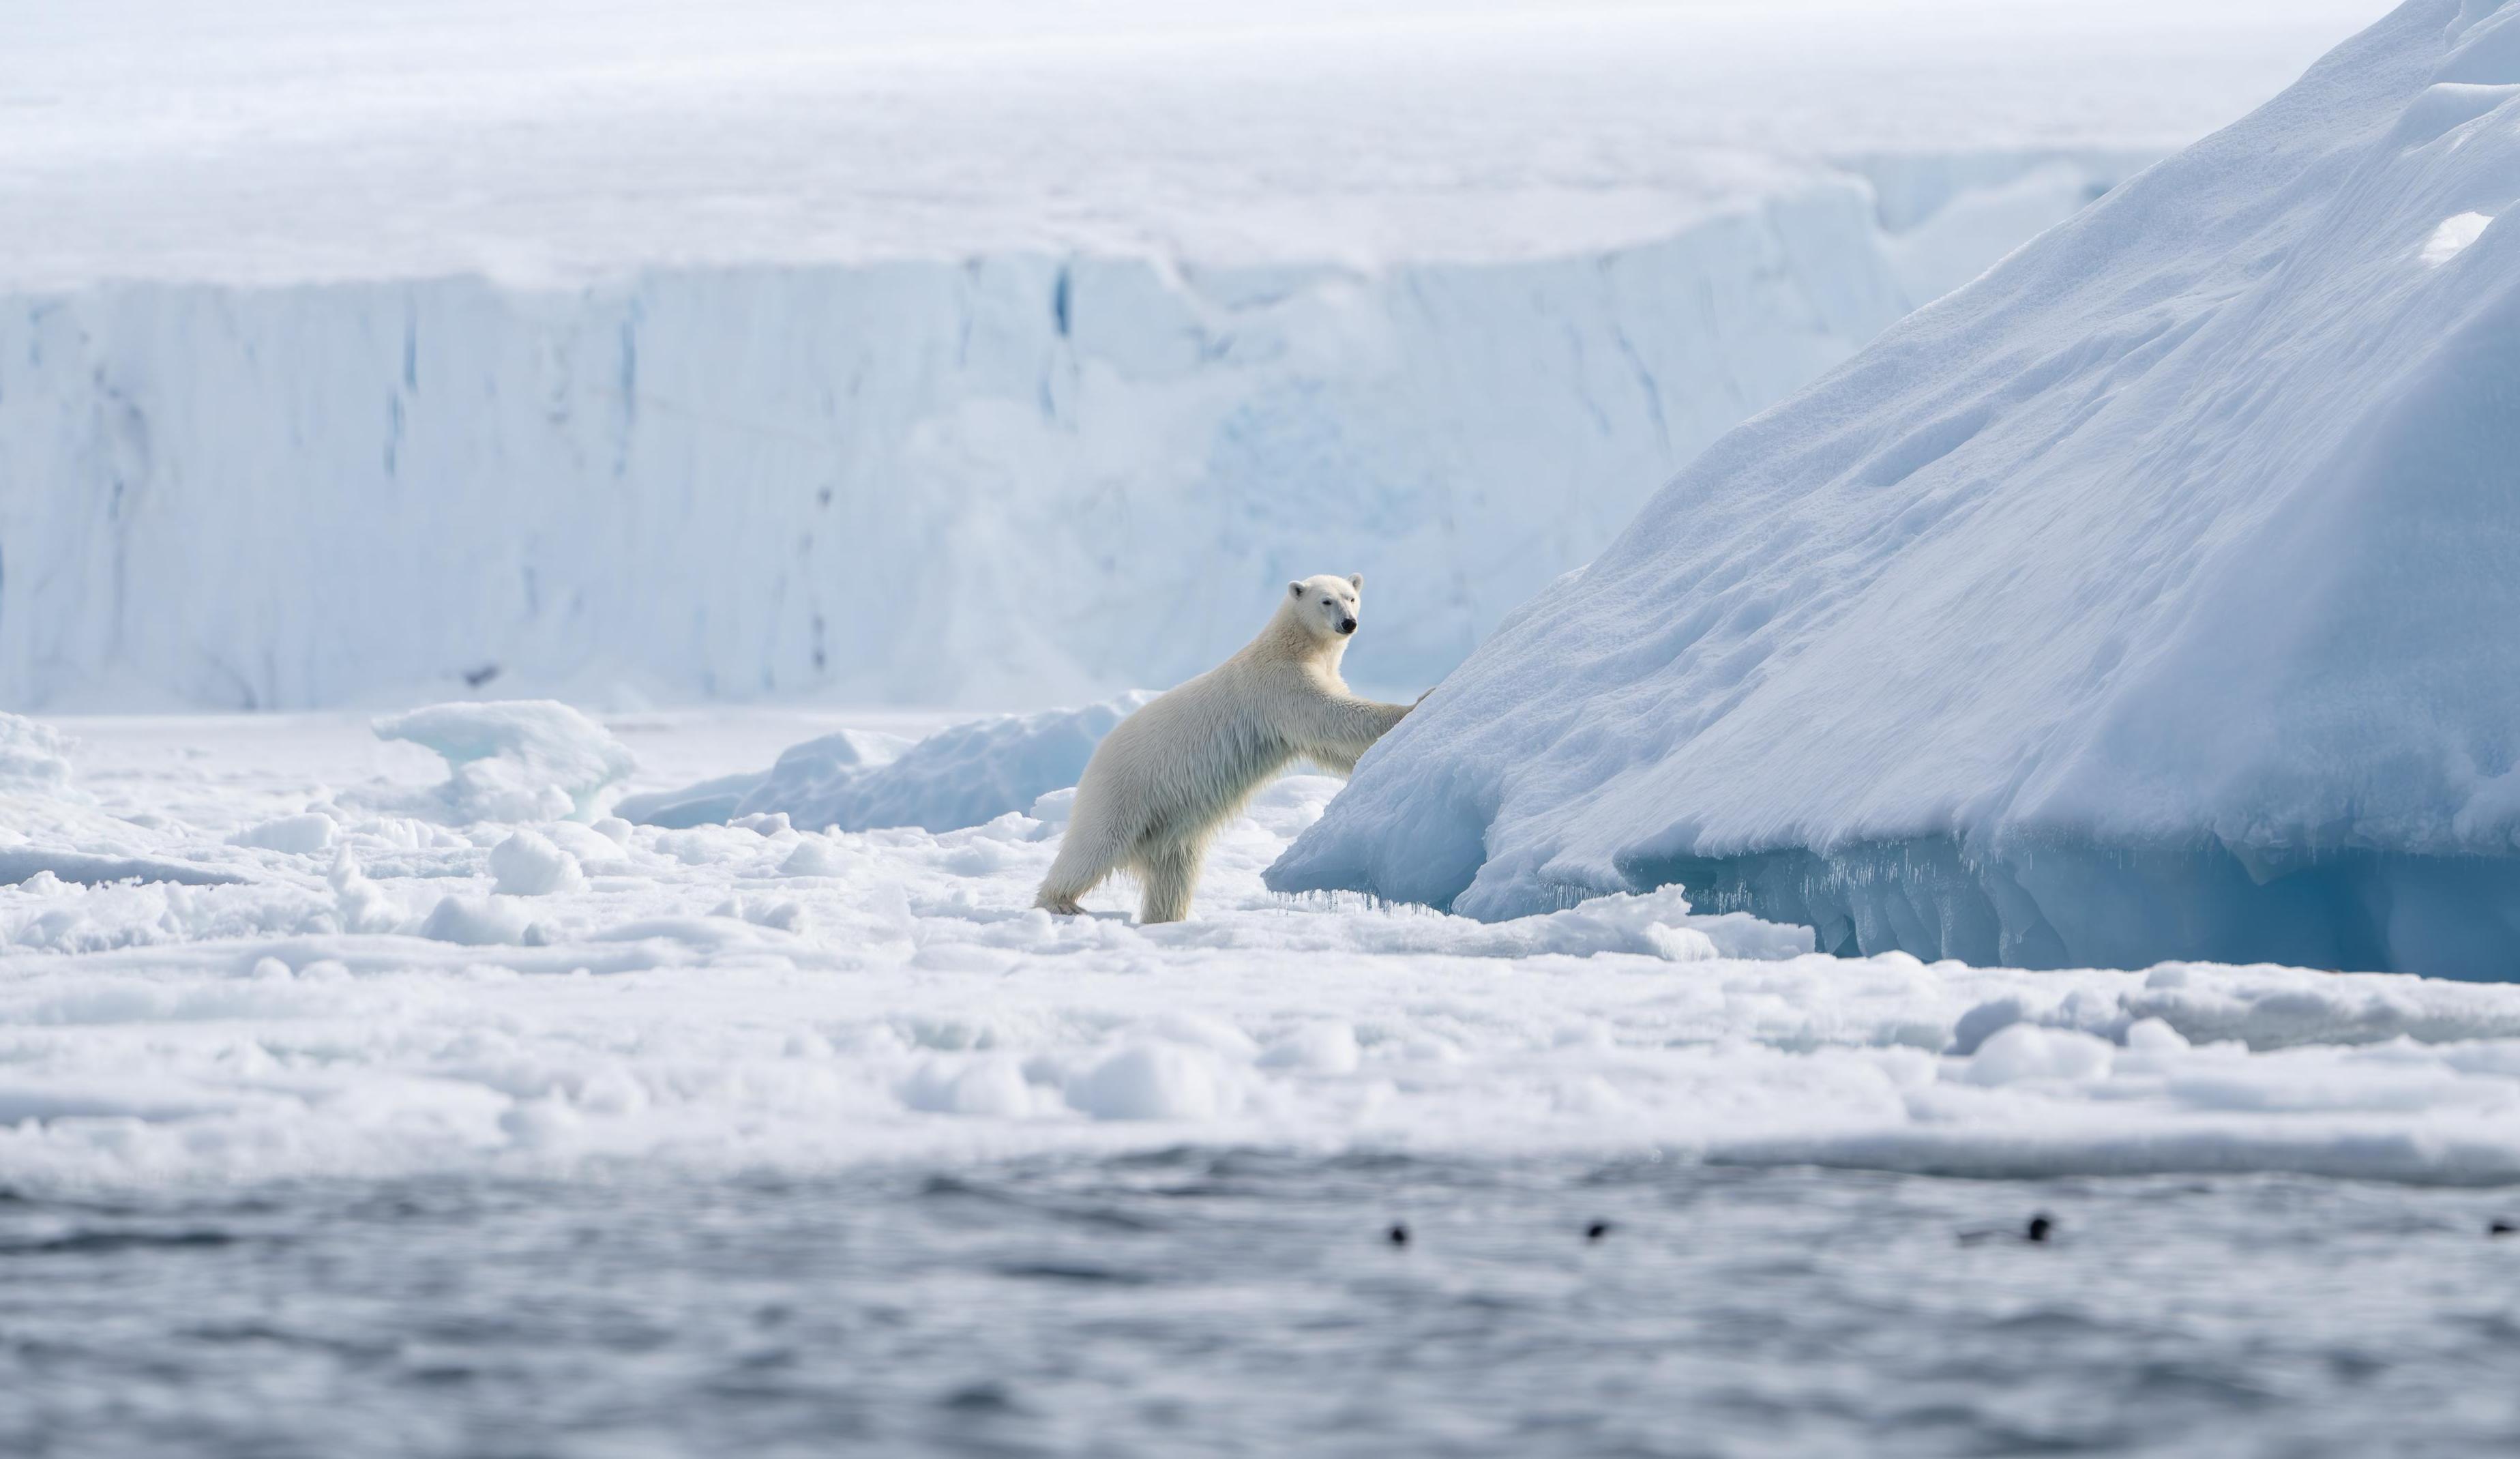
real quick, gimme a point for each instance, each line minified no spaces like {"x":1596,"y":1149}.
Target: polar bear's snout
{"x":1327,"y":604}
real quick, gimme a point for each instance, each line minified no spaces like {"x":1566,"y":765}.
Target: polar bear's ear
{"x":1295,"y":589}
{"x":1356,"y":581}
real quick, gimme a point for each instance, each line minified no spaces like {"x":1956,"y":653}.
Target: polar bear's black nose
{"x":1347,"y":625}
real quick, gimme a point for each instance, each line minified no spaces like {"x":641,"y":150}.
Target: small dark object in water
{"x":1399,"y":1235}
{"x":1597,"y":1230}
{"x":475,"y":678}
{"x":2042,"y":1226}
{"x":2500,"y":1228}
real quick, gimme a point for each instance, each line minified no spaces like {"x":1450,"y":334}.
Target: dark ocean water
{"x":1251,"y":1303}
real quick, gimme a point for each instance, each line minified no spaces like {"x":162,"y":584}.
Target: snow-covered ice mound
{"x":522,"y":759}
{"x":2151,"y":597}
{"x":961,"y":775}
{"x":34,"y":761}
{"x":415,"y":998}
{"x":51,"y":834}
{"x":815,"y":770}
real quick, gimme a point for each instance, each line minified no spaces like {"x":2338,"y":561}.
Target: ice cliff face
{"x":1012,"y":478}
{"x":2151,"y":597}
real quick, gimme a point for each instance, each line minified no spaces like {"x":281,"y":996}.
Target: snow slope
{"x":2148,"y":598}
{"x":404,"y":996}
{"x":949,"y":354}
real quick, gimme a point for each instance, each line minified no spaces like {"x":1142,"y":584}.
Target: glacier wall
{"x":994,"y":481}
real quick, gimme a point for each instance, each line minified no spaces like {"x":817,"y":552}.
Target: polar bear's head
{"x":1327,"y":606}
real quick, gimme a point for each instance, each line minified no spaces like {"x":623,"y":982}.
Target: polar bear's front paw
{"x":1058,"y":906}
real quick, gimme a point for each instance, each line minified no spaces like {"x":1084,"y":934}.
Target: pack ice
{"x":2150,"y":597}
{"x":381,"y":973}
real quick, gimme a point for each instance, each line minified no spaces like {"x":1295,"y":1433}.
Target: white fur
{"x":1160,"y":783}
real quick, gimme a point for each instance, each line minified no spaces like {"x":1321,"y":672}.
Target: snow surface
{"x":2150,"y":597}
{"x":721,"y":997}
{"x":992,"y":357}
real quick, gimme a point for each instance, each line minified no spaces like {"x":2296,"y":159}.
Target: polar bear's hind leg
{"x":1086,"y":857}
{"x":1171,"y":873}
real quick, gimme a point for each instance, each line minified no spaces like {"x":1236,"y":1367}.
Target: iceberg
{"x":2148,"y":598}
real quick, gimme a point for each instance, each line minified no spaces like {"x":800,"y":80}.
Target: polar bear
{"x":1166,"y":777}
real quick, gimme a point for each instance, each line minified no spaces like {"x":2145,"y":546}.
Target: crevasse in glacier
{"x":2151,"y":597}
